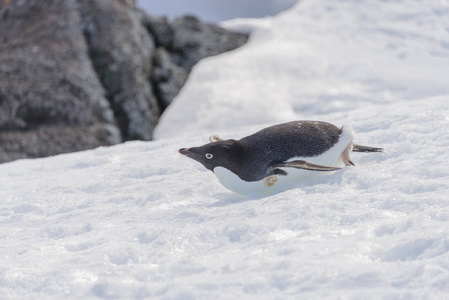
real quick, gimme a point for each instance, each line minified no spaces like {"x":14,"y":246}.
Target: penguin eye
{"x":209,"y":156}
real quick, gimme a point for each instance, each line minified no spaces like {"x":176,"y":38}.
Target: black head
{"x":223,"y":153}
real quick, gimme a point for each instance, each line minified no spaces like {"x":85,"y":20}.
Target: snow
{"x":140,"y":221}
{"x":315,"y":59}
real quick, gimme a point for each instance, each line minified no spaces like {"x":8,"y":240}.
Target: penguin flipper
{"x":302,"y":164}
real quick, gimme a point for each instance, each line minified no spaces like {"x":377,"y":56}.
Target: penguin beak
{"x":195,"y":154}
{"x":185,"y":151}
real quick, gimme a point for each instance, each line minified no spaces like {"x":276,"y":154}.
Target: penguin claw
{"x":345,"y":156}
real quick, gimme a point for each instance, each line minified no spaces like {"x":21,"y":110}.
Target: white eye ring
{"x":209,"y":156}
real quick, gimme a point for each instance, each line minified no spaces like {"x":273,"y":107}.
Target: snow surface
{"x":140,"y":221}
{"x":215,"y":10}
{"x":317,"y":58}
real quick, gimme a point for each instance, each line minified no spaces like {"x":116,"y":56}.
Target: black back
{"x":279,"y":143}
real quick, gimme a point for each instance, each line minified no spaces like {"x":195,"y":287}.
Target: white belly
{"x":274,"y":184}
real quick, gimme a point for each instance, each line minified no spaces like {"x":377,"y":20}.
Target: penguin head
{"x":222,"y":153}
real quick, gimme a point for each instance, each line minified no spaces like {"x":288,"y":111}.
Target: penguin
{"x":278,"y":156}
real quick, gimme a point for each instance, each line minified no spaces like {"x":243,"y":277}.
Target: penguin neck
{"x":247,"y":163}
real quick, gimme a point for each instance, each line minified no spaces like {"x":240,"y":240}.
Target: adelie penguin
{"x":273,"y":158}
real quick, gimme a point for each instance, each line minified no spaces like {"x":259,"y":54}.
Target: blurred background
{"x":216,"y":10}
{"x":75,"y":75}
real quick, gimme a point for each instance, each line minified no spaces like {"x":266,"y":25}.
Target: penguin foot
{"x":215,"y":138}
{"x":345,"y":156}
{"x":270,"y":180}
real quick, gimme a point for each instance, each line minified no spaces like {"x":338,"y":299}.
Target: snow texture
{"x":140,"y":221}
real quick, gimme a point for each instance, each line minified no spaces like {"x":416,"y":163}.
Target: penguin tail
{"x":360,"y":148}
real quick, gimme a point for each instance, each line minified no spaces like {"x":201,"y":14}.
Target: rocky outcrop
{"x":181,"y":44}
{"x":167,"y":77}
{"x":122,"y":51}
{"x":78,"y":74}
{"x":50,"y":98}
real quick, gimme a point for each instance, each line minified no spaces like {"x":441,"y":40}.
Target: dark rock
{"x":55,"y":139}
{"x":160,"y":29}
{"x":50,"y":98}
{"x":194,"y":40}
{"x":182,"y":43}
{"x":167,"y":77}
{"x":78,"y":74}
{"x":121,"y":51}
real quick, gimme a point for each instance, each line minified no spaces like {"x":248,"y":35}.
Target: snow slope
{"x":140,"y":221}
{"x":319,"y":57}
